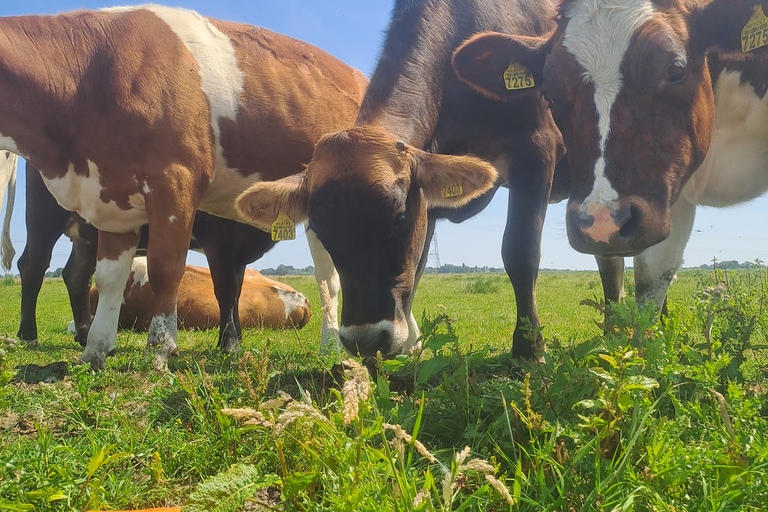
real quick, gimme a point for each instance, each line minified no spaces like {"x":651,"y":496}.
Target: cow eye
{"x":547,"y":97}
{"x":676,"y":73}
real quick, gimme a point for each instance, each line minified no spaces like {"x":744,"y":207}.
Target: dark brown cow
{"x":368,"y":190}
{"x":140,"y":115}
{"x":662,"y":105}
{"x":263,"y":301}
{"x":228,"y":245}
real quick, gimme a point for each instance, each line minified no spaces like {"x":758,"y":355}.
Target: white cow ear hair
{"x":264,"y":201}
{"x":451,"y":181}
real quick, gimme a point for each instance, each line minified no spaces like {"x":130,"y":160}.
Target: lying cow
{"x":143,"y":115}
{"x":662,"y":106}
{"x":263,"y":302}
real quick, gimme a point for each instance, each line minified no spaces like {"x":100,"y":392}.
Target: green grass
{"x":603,"y":426}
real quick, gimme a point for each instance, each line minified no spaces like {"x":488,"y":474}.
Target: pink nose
{"x":604,"y":226}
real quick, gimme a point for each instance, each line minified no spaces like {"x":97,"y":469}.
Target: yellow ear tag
{"x":283,"y":229}
{"x":453,"y":190}
{"x":755,"y":33}
{"x":517,"y":77}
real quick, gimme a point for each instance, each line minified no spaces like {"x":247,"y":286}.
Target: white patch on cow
{"x":598,"y":35}
{"x":146,"y":189}
{"x":734,"y":170}
{"x":8,"y":163}
{"x":292,"y":300}
{"x":403,"y":333}
{"x":162,"y":339}
{"x":71,"y":329}
{"x":8,"y":144}
{"x":140,"y":271}
{"x":326,"y":271}
{"x":83,"y":195}
{"x":172,"y":219}
{"x":110,"y":278}
{"x":656,"y":266}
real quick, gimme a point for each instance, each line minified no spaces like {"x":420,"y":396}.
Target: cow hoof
{"x":229,"y":345}
{"x":160,"y":363}
{"x":96,"y":360}
{"x":71,"y":329}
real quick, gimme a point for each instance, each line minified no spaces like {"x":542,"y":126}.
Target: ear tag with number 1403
{"x":283,"y":229}
{"x":517,"y":77}
{"x":754,"y":35}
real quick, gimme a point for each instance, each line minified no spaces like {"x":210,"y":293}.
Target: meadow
{"x":653,"y":415}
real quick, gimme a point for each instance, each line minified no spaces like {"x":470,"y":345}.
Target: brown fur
{"x":259,"y":304}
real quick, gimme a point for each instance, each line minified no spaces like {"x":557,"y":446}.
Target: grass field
{"x":679,"y":425}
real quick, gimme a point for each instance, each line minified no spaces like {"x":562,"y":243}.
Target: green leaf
{"x":227,"y":491}
{"x":298,"y":482}
{"x":439,"y":341}
{"x":429,"y":368}
{"x":641,"y":382}
{"x":95,"y":462}
{"x":16,"y":507}
{"x":382,"y":387}
{"x":602,"y":374}
{"x":588,"y":404}
{"x":609,"y":359}
{"x":625,"y":402}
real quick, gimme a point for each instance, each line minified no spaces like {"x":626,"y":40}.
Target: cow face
{"x":366,"y":195}
{"x":630,"y":90}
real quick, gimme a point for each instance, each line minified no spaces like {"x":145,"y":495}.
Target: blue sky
{"x":352,"y":30}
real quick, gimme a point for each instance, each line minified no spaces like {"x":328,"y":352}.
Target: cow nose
{"x":597,"y":229}
{"x":367,"y":340}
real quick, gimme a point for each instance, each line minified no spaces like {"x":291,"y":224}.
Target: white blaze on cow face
{"x":598,"y":35}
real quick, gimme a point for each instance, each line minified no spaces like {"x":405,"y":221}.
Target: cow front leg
{"x":656,"y":266}
{"x":325,"y":270}
{"x":113,"y":266}
{"x":612,"y":278}
{"x":521,"y":253}
{"x":77,"y":277}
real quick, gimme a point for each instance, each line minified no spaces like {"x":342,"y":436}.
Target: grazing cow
{"x":662,"y":106}
{"x":7,"y":181}
{"x":367,"y":191}
{"x":229,"y":246}
{"x":263,"y":302}
{"x":213,"y":107}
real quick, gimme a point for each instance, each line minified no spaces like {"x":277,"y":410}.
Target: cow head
{"x":630,"y":90}
{"x":366,"y":195}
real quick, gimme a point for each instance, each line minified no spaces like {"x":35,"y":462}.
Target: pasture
{"x":681,"y":425}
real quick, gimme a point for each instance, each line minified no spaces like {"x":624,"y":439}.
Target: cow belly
{"x":83,"y":194}
{"x":220,"y":197}
{"x":735,"y":169}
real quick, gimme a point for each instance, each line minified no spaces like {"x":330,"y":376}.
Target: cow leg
{"x":45,"y":221}
{"x":325,"y":270}
{"x":656,"y":266}
{"x":413,"y":325}
{"x":77,"y":277}
{"x":521,"y":252}
{"x":612,"y":277}
{"x":113,"y":266}
{"x":171,"y":215}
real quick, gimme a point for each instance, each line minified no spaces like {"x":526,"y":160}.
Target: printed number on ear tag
{"x":755,"y":33}
{"x":283,"y":229}
{"x":517,"y":77}
{"x":453,"y":190}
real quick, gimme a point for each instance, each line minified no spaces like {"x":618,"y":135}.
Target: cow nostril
{"x":381,"y":342}
{"x":581,"y":220}
{"x":629,"y":219}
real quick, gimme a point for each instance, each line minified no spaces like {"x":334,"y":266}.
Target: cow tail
{"x":7,"y":252}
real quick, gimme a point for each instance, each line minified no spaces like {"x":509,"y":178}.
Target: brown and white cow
{"x":8,"y":163}
{"x":372,"y":193}
{"x":140,"y":115}
{"x":228,"y":245}
{"x":662,"y":106}
{"x":263,"y":301}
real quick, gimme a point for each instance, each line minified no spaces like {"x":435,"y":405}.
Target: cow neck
{"x":42,"y":61}
{"x":405,"y":92}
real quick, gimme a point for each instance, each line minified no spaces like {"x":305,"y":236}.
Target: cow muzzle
{"x":390,"y":338}
{"x":622,"y":228}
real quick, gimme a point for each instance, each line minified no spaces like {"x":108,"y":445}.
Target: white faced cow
{"x":138,"y":115}
{"x":662,"y":106}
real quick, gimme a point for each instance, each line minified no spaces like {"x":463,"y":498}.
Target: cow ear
{"x":491,"y":63}
{"x":264,"y":201}
{"x":731,"y":25}
{"x":451,"y":181}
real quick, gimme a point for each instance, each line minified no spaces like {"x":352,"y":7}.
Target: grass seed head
{"x":356,"y":389}
{"x":499,"y":486}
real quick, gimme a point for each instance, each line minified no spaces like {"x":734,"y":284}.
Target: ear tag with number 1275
{"x":754,"y":35}
{"x":517,"y":77}
{"x":283,"y":228}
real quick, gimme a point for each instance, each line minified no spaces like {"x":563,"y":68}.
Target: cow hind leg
{"x":113,"y":266}
{"x":77,"y":277}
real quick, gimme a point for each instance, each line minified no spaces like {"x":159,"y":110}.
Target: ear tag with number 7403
{"x":283,"y":228}
{"x":517,"y":77}
{"x":754,"y":35}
